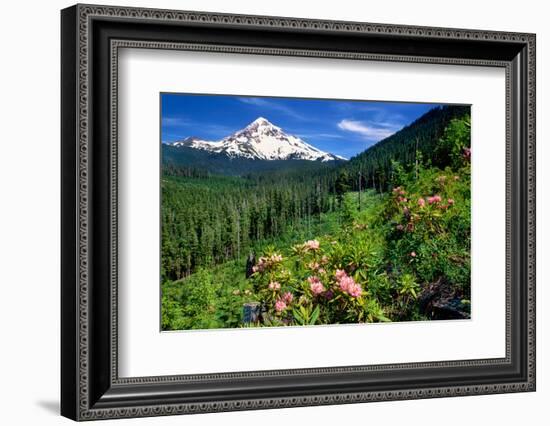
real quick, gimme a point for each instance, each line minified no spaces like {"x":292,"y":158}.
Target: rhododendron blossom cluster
{"x":434,"y":199}
{"x":267,"y":262}
{"x":280,"y":305}
{"x":347,"y":284}
{"x":274,"y":285}
{"x":311,"y":245}
{"x":316,"y":285}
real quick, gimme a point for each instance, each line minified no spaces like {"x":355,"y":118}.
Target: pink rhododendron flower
{"x":399,"y":190}
{"x":274,"y":285}
{"x":355,"y":290}
{"x":346,"y":282}
{"x":421,"y":202}
{"x":313,"y":266}
{"x":450,"y":201}
{"x":280,"y":305}
{"x":434,"y":199}
{"x":311,"y":245}
{"x":316,"y":286}
{"x":413,"y":254}
{"x":288,"y":297}
{"x":339,"y":274}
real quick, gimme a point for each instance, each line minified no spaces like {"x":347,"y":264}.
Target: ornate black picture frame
{"x":91,"y":36}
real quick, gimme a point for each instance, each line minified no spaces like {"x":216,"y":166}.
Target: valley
{"x":263,"y":220}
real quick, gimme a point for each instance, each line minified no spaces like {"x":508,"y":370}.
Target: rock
{"x":251,"y":312}
{"x":440,"y":301}
{"x":250,"y":262}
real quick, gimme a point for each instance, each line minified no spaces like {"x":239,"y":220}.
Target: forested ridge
{"x":211,"y":220}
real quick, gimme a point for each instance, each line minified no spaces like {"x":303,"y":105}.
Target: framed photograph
{"x":263,"y":212}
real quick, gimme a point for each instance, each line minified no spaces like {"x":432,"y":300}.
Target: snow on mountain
{"x":261,"y":140}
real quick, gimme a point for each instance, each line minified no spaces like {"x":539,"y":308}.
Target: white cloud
{"x":274,"y":106}
{"x":318,"y":135}
{"x":175,"y":121}
{"x":369,"y":131}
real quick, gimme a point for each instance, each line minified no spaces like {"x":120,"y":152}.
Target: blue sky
{"x":344,"y":128}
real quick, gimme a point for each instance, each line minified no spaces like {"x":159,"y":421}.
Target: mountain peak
{"x":261,"y":120}
{"x":261,"y":123}
{"x":262,"y":140}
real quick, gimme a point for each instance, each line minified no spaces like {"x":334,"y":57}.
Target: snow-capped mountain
{"x":260,"y":140}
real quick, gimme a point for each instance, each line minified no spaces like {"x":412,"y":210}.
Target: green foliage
{"x":450,"y":149}
{"x":329,"y":250}
{"x":405,"y":147}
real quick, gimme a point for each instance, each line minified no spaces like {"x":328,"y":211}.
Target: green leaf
{"x":314,"y":315}
{"x":299,"y":319}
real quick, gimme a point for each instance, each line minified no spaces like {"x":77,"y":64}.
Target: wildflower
{"x":421,"y":202}
{"x":316,"y":285}
{"x":456,"y":178}
{"x":275,"y":258}
{"x":280,"y":305}
{"x":410,"y":226}
{"x":324,"y":260}
{"x":413,"y":254}
{"x":355,"y":290}
{"x":236,"y":292}
{"x":434,"y":199}
{"x":312,"y":245}
{"x":450,"y":201}
{"x":399,"y":227}
{"x":467,"y":153}
{"x":288,"y":297}
{"x":406,"y":210}
{"x":441,"y":179}
{"x":396,"y":189}
{"x":345,"y":283}
{"x":321,"y":271}
{"x":339,"y":274}
{"x":313,"y":266}
{"x":261,"y":265}
{"x":349,"y":286}
{"x":329,"y":294}
{"x":274,"y":285}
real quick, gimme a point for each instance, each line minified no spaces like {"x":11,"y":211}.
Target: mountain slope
{"x":260,"y":140}
{"x":373,"y":167}
{"x":189,"y":159}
